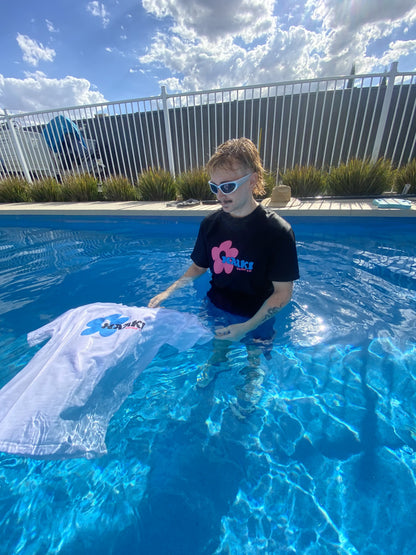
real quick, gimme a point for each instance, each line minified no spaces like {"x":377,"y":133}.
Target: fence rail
{"x":321,"y":122}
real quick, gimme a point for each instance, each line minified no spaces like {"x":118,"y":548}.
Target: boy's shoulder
{"x":271,"y":219}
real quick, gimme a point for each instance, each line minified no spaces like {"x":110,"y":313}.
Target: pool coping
{"x":295,"y":207}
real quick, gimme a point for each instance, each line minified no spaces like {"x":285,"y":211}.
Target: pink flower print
{"x":227,"y":250}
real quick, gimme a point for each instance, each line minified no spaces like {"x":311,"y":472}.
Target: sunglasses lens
{"x":228,"y":188}
{"x":214,"y":188}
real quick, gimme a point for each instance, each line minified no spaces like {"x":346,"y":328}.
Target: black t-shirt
{"x":245,"y":255}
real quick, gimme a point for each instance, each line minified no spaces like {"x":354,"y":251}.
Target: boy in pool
{"x":250,"y":250}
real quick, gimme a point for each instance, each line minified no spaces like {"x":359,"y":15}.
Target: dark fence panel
{"x":322,"y":122}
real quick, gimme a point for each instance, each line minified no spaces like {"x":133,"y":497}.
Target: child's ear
{"x":254,"y":180}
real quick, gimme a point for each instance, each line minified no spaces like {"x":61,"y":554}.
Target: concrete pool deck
{"x":295,"y":207}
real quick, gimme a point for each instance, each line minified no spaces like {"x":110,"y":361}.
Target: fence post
{"x":17,"y":147}
{"x":391,"y":77}
{"x":168,"y":130}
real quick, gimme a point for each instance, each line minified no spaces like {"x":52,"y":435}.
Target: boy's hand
{"x":158,"y":299}
{"x":234,"y":332}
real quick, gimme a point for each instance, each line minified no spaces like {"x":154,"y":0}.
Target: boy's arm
{"x":278,"y":299}
{"x":191,"y":273}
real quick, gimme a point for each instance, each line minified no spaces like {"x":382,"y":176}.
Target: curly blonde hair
{"x":241,"y":152}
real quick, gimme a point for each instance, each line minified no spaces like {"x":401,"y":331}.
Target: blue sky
{"x":69,"y":52}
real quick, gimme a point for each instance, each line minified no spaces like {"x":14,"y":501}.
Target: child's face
{"x":240,"y":202}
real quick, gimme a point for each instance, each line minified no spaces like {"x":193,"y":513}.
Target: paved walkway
{"x":295,"y":207}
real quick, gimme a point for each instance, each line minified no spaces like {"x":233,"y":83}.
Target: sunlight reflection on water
{"x":325,"y":461}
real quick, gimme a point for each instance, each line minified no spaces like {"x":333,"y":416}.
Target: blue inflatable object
{"x":56,"y":130}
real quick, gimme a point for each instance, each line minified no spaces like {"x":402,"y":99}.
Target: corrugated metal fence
{"x":322,"y":122}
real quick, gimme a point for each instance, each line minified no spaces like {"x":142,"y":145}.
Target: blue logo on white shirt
{"x":110,"y":324}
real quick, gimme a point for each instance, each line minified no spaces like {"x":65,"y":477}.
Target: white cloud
{"x":38,"y":92}
{"x":98,"y":9}
{"x":352,"y":27}
{"x":209,"y":39}
{"x":397,"y":49}
{"x":353,"y":14}
{"x":214,"y":19}
{"x":212,"y":43}
{"x":51,"y":26}
{"x":33,"y":51}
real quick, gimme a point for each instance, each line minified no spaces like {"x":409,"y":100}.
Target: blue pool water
{"x":326,"y":462}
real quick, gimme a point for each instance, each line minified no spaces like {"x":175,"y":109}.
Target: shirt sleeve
{"x":187,"y":332}
{"x":181,"y":330}
{"x":284,"y":262}
{"x":200,"y":255}
{"x":47,"y":331}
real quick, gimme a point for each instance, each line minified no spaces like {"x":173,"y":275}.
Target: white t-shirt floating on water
{"x":60,"y":404}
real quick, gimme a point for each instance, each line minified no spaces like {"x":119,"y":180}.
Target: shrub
{"x":118,"y":188}
{"x":269,"y":181}
{"x":194,"y":184}
{"x":304,"y":181}
{"x":360,"y":177}
{"x":79,"y":188}
{"x":404,"y":175}
{"x":46,"y":190}
{"x":156,"y":185}
{"x":14,"y":189}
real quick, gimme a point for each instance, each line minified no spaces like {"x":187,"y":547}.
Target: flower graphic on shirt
{"x":105,"y":326}
{"x":225,"y":250}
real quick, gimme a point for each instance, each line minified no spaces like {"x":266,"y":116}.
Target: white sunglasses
{"x":229,"y":186}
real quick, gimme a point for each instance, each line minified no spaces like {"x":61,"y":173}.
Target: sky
{"x":60,"y":53}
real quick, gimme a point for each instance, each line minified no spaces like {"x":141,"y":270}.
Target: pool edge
{"x":335,"y":208}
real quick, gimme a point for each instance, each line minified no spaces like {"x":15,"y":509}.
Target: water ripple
{"x":321,"y":462}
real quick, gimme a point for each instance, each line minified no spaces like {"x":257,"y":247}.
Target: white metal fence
{"x":320,"y":122}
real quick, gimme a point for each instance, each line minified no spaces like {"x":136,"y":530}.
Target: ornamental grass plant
{"x":360,"y":178}
{"x":118,"y":188}
{"x":405,"y":175}
{"x":156,"y":185}
{"x":80,"y":188}
{"x":193,"y":184}
{"x":14,"y":189}
{"x":46,"y":190}
{"x":269,"y":182}
{"x":304,"y":181}
{"x":356,"y":178}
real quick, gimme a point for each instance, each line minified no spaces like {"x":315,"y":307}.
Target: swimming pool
{"x":324,"y":465}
